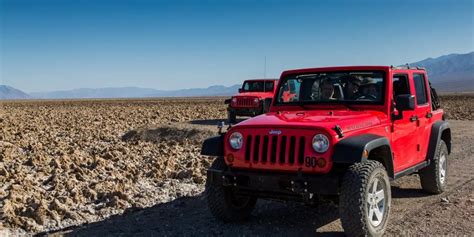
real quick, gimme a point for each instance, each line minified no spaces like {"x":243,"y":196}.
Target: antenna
{"x":264,"y":77}
{"x":265,"y":68}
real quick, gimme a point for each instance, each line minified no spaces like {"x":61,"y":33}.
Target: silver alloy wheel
{"x":376,"y":203}
{"x":442,"y":168}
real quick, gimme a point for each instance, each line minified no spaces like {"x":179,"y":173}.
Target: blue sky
{"x":64,"y":44}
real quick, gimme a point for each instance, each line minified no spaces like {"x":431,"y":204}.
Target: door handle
{"x":413,"y":118}
{"x":429,"y":115}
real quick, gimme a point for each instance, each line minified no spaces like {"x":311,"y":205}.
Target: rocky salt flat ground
{"x":132,"y":167}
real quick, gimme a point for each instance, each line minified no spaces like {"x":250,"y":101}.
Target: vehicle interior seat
{"x":338,"y":92}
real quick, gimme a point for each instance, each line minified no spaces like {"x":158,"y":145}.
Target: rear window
{"x":420,"y":89}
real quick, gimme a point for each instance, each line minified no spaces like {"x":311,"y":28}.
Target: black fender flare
{"x":351,"y":150}
{"x":213,"y":146}
{"x":437,"y":130}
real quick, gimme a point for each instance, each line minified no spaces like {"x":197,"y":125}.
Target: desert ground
{"x":133,"y":167}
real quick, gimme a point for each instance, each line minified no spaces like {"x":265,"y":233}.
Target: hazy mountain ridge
{"x":458,"y":64}
{"x":448,"y":73}
{"x":111,"y":92}
{"x":10,"y":93}
{"x":134,"y":92}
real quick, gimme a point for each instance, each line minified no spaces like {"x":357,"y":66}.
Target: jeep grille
{"x":246,"y":102}
{"x":273,"y":149}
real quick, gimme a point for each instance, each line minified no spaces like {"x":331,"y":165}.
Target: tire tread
{"x":429,"y":178}
{"x":352,"y":200}
{"x":216,"y":199}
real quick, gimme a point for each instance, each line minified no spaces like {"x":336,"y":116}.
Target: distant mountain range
{"x":448,"y":73}
{"x":136,"y":92}
{"x":10,"y":93}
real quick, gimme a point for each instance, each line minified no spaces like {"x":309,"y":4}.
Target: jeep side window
{"x":400,"y":85}
{"x":420,"y":89}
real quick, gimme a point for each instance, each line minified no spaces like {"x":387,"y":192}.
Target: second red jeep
{"x":254,"y":98}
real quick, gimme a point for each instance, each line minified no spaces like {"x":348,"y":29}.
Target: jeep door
{"x":404,"y":137}
{"x":422,"y":113}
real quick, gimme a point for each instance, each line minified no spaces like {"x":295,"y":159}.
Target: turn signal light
{"x":230,"y":158}
{"x":321,"y":162}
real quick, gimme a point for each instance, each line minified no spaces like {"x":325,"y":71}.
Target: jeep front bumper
{"x":275,"y":185}
{"x":245,"y":111}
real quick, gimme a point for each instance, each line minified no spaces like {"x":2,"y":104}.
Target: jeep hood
{"x":321,"y":119}
{"x":254,"y":94}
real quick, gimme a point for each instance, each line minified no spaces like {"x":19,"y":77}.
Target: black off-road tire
{"x":231,"y":117}
{"x":353,"y":201}
{"x":430,"y":177}
{"x":223,"y":203}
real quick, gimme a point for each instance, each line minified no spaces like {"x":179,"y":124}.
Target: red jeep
{"x":254,"y":98}
{"x":345,"y":133}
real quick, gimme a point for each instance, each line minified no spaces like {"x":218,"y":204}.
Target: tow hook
{"x":220,"y":126}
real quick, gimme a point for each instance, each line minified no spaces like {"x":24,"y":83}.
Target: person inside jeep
{"x":256,"y":86}
{"x":351,"y":88}
{"x":288,"y":93}
{"x":315,"y":91}
{"x":327,"y":90}
{"x":334,"y":87}
{"x":369,"y":90}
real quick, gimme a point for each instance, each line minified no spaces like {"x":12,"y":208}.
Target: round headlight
{"x":256,"y":100}
{"x":320,"y":143}
{"x":236,"y":140}
{"x":234,"y":100}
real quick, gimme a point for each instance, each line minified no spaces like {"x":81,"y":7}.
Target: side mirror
{"x":240,"y":90}
{"x":405,"y":102}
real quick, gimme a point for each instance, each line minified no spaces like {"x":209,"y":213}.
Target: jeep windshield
{"x":258,"y":86}
{"x":345,"y":87}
